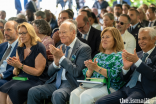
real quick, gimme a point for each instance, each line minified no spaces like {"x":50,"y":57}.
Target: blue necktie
{"x":85,"y":35}
{"x":150,"y":24}
{"x":135,"y":75}
{"x":59,"y":73}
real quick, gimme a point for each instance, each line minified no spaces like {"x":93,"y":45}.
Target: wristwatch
{"x":22,"y":66}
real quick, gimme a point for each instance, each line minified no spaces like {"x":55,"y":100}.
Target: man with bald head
{"x":66,"y":68}
{"x":89,"y":33}
{"x":8,"y":49}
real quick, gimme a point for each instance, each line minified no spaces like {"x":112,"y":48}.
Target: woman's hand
{"x":13,"y":61}
{"x":16,"y":71}
{"x":91,"y":65}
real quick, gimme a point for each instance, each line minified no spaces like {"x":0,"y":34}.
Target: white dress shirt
{"x":63,"y":57}
{"x":137,"y":64}
{"x":4,"y":64}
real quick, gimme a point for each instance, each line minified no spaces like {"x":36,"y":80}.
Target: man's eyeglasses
{"x":1,"y":27}
{"x":121,"y":23}
{"x":81,"y":27}
{"x":23,"y":33}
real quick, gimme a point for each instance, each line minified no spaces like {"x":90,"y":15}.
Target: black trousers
{"x":125,"y":95}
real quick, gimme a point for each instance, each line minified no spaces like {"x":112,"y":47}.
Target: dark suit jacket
{"x":53,"y":24}
{"x":153,"y":24}
{"x":30,"y":6}
{"x":9,"y":69}
{"x":94,"y":40}
{"x":115,"y":2}
{"x":135,"y":34}
{"x":148,"y":74}
{"x":145,"y":23}
{"x":73,"y":66}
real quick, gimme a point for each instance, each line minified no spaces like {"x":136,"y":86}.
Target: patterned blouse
{"x":46,"y":41}
{"x":113,"y":63}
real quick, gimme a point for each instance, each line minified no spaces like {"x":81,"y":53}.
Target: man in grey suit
{"x":65,"y":70}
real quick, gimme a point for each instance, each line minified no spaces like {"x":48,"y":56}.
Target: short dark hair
{"x":118,"y":5}
{"x":127,"y":16}
{"x":70,"y":15}
{"x":132,"y":9}
{"x":88,"y":12}
{"x":153,"y":9}
{"x":71,"y":11}
{"x":126,"y":6}
{"x":40,"y":13}
{"x":94,"y":17}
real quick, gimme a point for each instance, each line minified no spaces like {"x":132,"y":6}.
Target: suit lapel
{"x":75,"y":48}
{"x":151,"y":56}
{"x":3,"y":49}
{"x":90,"y":35}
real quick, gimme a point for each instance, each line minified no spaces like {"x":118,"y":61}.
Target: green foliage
{"x":136,"y":3}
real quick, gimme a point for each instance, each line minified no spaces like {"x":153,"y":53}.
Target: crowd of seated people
{"x":43,"y":57}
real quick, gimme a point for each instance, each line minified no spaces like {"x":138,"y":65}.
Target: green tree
{"x":136,"y":3}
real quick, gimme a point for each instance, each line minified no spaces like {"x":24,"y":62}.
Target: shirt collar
{"x":73,"y":43}
{"x":49,"y":21}
{"x":13,"y":44}
{"x":150,"y":51}
{"x":135,"y":25}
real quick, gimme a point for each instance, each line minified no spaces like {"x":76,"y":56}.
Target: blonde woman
{"x":29,"y":63}
{"x":106,"y":64}
{"x":1,"y":37}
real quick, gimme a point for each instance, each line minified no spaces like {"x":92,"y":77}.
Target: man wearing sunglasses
{"x":122,"y":25}
{"x":135,"y":26}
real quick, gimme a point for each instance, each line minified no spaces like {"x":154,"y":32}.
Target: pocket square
{"x":73,"y":57}
{"x":148,"y":61}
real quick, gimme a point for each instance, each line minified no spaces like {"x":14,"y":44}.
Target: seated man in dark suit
{"x":89,"y":33}
{"x":151,"y":16}
{"x":138,"y":71}
{"x":119,"y":2}
{"x":65,"y":70}
{"x":135,"y":26}
{"x":51,"y":20}
{"x":8,"y":49}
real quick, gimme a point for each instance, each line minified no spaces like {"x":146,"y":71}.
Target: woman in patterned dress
{"x":106,"y":64}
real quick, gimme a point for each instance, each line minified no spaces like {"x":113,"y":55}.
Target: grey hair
{"x":40,"y":13}
{"x":22,"y":16}
{"x":151,"y":31}
{"x":110,"y":15}
{"x":73,"y":24}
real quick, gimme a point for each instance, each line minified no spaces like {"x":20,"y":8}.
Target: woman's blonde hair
{"x":118,"y":42}
{"x":1,"y":37}
{"x":31,"y":32}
